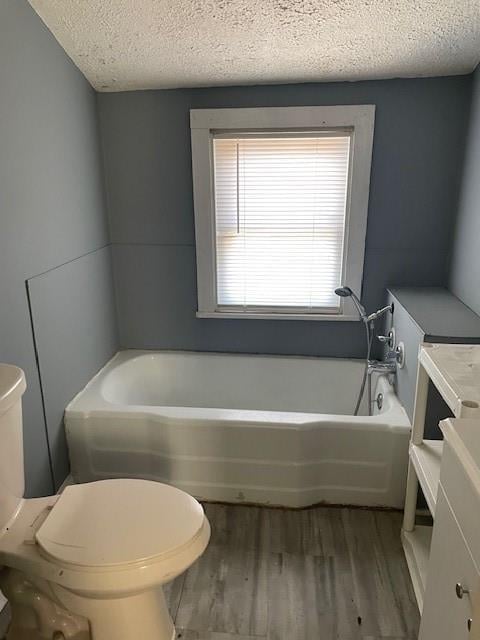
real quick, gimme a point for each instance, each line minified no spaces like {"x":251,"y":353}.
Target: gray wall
{"x":73,"y":314}
{"x":465,"y":266}
{"x":410,"y":331}
{"x":55,"y":269}
{"x":418,"y":148}
{"x":51,"y":213}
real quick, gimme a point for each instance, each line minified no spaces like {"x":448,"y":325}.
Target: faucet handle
{"x":397,"y":355}
{"x":389,"y":339}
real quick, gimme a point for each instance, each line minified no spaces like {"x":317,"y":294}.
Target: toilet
{"x":89,"y":563}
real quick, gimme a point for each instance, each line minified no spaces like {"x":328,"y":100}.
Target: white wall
{"x":465,"y":265}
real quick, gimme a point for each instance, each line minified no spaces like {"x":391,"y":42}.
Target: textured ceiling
{"x":145,"y":44}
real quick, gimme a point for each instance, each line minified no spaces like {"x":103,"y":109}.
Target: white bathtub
{"x":240,"y":428}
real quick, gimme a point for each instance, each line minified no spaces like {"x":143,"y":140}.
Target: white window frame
{"x":359,"y":119}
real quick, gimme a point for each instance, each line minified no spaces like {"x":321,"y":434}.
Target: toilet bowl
{"x":89,"y":563}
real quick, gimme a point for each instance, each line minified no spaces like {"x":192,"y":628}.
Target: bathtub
{"x":241,"y":428}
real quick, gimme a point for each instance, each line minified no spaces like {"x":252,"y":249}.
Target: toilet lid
{"x":116,"y":522}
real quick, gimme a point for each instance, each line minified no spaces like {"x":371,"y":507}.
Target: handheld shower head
{"x":343,"y":292}
{"x":346,"y":292}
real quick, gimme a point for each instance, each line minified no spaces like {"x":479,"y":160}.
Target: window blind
{"x":280,"y":203}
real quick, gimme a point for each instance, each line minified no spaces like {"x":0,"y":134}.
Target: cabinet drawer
{"x":462,"y":494}
{"x":445,"y":616}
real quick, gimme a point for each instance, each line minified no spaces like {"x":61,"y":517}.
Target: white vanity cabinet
{"x":451,"y":604}
{"x":455,"y":371}
{"x":446,"y":616}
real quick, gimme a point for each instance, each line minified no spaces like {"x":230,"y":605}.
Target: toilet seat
{"x":96,"y":558}
{"x":33,"y":548}
{"x":111,"y":523}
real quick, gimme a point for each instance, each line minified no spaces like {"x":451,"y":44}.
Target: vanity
{"x":444,"y":559}
{"x":451,"y":606}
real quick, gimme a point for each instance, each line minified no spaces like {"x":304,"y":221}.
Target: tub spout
{"x":377,"y":366}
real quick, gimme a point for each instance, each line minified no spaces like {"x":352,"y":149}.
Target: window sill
{"x":226,"y":315}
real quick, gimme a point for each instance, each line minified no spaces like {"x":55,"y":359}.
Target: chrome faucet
{"x":371,"y":366}
{"x":382,"y":366}
{"x":387,"y":367}
{"x":380,"y":313}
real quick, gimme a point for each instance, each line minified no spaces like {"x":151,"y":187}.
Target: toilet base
{"x":141,"y":615}
{"x":35,"y":613}
{"x":46,"y":611}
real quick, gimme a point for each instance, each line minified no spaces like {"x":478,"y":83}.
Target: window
{"x":281,"y":200}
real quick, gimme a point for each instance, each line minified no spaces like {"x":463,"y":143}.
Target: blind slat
{"x":280,"y":207}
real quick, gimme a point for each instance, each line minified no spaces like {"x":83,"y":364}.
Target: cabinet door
{"x":445,"y":615}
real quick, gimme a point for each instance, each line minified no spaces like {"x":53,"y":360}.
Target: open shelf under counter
{"x":426,"y":459}
{"x":416,"y":545}
{"x":454,"y":369}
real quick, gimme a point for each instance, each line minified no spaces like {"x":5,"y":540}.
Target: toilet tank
{"x":12,"y":483}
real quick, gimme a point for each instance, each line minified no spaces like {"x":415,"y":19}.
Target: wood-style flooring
{"x":278,"y":574}
{"x":316,"y":574}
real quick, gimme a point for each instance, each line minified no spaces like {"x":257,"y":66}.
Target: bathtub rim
{"x":90,"y":403}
